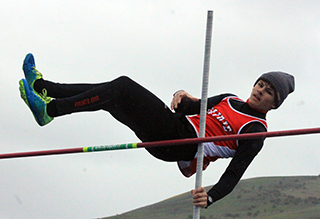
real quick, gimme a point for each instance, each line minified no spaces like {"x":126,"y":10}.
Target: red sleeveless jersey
{"x":222,"y":119}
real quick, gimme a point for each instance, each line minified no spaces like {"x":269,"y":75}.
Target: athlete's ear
{"x":273,"y":106}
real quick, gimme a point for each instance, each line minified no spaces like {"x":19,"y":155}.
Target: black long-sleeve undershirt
{"x":246,"y":151}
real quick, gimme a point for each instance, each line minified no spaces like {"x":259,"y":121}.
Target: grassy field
{"x":263,"y":198}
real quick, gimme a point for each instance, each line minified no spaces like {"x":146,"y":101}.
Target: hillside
{"x":268,"y":197}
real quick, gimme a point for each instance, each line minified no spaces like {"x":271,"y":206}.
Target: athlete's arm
{"x":186,"y":104}
{"x":245,"y":153}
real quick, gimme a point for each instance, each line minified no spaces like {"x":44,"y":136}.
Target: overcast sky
{"x":160,"y":44}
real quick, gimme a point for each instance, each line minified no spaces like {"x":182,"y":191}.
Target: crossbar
{"x":187,"y":141}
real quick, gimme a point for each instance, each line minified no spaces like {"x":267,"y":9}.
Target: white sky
{"x":160,"y":44}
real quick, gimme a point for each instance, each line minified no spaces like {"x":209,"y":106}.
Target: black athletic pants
{"x":129,"y":103}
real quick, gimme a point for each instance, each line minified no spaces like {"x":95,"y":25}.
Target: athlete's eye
{"x":269,"y":92}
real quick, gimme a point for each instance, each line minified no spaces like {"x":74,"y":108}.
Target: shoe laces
{"x":44,"y":95}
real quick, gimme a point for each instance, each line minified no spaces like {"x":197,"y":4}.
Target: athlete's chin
{"x":256,"y":106}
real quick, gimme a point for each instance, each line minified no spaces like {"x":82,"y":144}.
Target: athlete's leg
{"x":139,"y":109}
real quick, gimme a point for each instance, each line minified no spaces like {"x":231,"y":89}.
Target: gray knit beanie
{"x":283,"y":84}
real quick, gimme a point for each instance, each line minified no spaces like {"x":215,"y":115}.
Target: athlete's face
{"x":262,"y":96}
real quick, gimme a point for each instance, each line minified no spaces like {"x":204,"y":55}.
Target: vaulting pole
{"x":203,"y":107}
{"x":161,"y":143}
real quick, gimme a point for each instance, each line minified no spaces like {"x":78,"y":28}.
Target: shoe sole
{"x":23,"y":92}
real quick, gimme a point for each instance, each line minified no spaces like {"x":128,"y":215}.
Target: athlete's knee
{"x":124,"y":79}
{"x":126,"y":83}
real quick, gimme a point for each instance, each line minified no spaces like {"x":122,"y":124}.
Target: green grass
{"x":263,"y":198}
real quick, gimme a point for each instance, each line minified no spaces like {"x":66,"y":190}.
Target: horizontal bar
{"x":162,"y":143}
